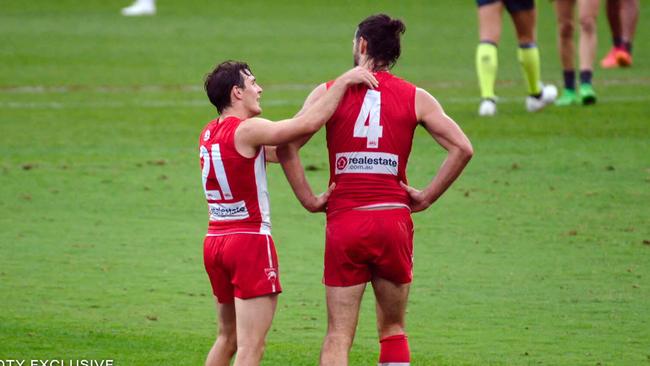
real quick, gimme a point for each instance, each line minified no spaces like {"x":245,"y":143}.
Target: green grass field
{"x":538,"y":255}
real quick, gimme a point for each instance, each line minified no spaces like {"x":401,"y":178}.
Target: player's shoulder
{"x":423,"y":94}
{"x":207,"y":131}
{"x":253,"y":121}
{"x":253,"y":125}
{"x":211,"y":124}
{"x":402,"y":82}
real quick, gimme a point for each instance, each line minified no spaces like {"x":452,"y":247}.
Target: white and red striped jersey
{"x":369,"y":140}
{"x":235,"y":186}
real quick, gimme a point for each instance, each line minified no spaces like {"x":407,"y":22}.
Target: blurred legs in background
{"x":622,"y":16}
{"x":587,"y":12}
{"x":524,"y":18}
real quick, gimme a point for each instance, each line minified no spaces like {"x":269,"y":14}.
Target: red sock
{"x":394,"y":351}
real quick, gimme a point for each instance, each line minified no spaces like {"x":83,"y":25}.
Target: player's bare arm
{"x":312,"y":98}
{"x":271,"y":151}
{"x":255,"y":132}
{"x":447,"y":133}
{"x":290,"y":159}
{"x":270,"y":154}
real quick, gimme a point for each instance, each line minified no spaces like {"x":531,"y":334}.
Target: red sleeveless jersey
{"x":235,"y":186}
{"x":369,"y":140}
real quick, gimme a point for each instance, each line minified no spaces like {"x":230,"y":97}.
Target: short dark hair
{"x":383,"y":36}
{"x":219,"y":82}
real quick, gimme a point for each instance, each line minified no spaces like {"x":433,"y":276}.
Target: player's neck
{"x":238,"y":113}
{"x":370,"y":65}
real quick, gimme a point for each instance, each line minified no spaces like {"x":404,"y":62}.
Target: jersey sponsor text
{"x":228,"y":211}
{"x":366,"y":162}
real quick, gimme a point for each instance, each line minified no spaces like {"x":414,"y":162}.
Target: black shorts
{"x":512,"y":6}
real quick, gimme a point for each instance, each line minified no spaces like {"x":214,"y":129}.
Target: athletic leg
{"x":489,"y":22}
{"x":629,"y":17}
{"x":254,"y":317}
{"x":564,"y":13}
{"x":614,"y":20}
{"x":391,"y":300}
{"x":342,"y":316}
{"x":565,"y":28}
{"x":613,"y":11}
{"x":525,"y":23}
{"x":528,"y":53}
{"x":528,"y":56}
{"x":226,"y":344}
{"x":588,"y":10}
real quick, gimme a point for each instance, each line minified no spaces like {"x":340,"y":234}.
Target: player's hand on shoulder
{"x":359,"y":75}
{"x":319,"y":203}
{"x":419,"y":202}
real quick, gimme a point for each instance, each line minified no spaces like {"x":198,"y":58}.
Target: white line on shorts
{"x":268,"y":251}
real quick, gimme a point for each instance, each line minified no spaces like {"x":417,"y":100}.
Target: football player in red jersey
{"x":369,"y":234}
{"x":239,"y":253}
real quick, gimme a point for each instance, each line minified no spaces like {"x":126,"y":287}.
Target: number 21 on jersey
{"x":219,"y":171}
{"x":370,"y":111}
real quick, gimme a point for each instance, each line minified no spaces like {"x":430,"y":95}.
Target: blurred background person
{"x":140,"y":7}
{"x":622,"y":16}
{"x":524,"y":17}
{"x":587,"y":12}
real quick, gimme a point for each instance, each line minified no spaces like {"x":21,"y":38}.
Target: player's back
{"x":235,"y":186}
{"x":369,"y":140}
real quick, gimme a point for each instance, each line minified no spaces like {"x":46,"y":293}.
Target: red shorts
{"x":241,"y":265}
{"x":361,"y":244}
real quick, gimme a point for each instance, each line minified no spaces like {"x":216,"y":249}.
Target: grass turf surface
{"x":535,"y":256}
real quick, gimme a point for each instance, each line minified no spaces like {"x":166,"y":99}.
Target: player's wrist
{"x":427,"y":197}
{"x":313,"y":204}
{"x":308,"y":202}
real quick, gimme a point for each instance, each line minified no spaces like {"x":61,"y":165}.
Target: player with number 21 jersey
{"x":238,"y":251}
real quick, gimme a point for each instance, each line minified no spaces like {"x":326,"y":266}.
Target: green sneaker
{"x":567,"y":98}
{"x":587,"y":94}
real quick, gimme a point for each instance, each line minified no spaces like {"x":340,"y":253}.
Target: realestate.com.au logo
{"x":341,"y":163}
{"x":366,"y":162}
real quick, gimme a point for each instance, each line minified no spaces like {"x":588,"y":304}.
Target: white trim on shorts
{"x":268,"y":251}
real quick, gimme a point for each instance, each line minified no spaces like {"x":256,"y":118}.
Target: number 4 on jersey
{"x":370,"y":111}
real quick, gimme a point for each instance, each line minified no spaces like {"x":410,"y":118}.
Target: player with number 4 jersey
{"x":368,"y":158}
{"x":238,"y":251}
{"x":369,"y":233}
